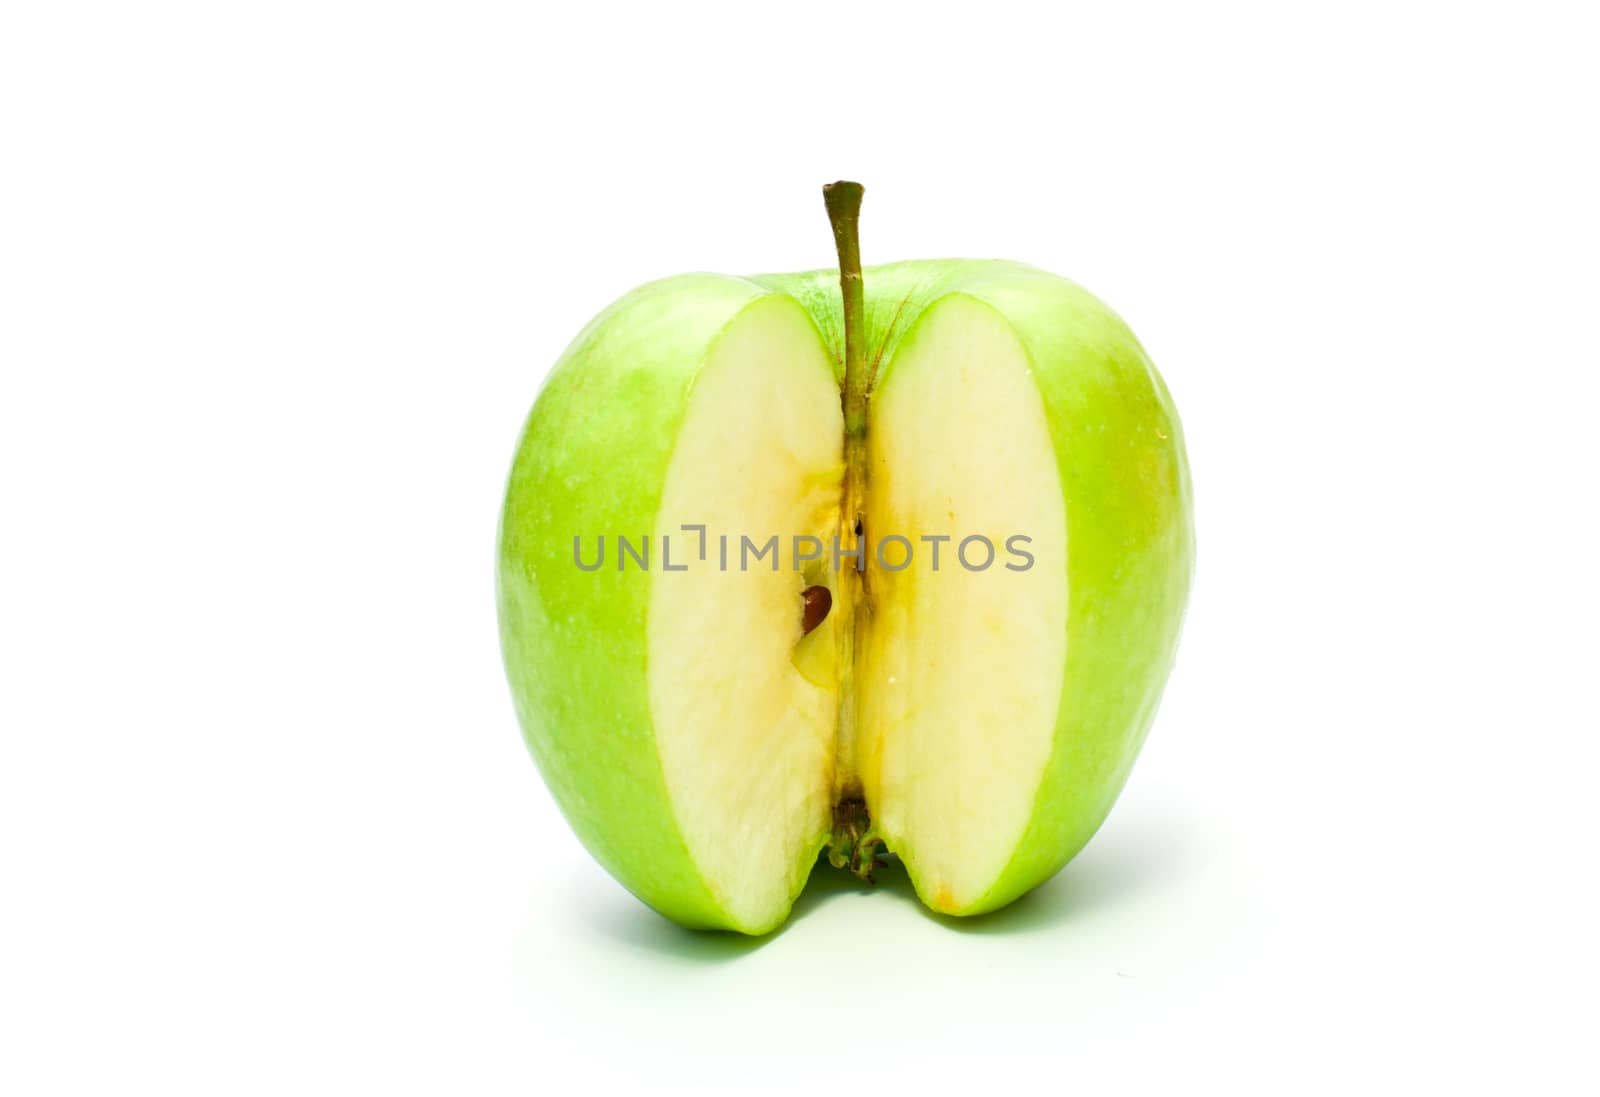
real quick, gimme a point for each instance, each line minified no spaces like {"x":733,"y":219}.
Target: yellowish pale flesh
{"x":744,"y":708}
{"x":962,"y":671}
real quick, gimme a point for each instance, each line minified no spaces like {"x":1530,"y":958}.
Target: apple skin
{"x":593,"y":459}
{"x":594,"y":455}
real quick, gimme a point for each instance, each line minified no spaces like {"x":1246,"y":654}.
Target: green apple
{"x":709,"y":717}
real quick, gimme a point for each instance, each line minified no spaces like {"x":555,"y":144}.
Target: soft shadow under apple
{"x":1115,"y":868}
{"x":1112,"y":872}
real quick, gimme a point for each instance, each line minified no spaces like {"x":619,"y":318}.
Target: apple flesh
{"x":705,"y":733}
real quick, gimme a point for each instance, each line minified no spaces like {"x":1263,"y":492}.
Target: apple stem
{"x":843,"y":200}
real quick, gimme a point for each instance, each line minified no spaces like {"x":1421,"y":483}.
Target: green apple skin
{"x":594,"y":454}
{"x":593,"y":457}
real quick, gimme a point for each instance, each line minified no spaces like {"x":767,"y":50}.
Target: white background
{"x":278,"y":284}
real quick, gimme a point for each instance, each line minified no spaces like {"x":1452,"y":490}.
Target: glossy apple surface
{"x":979,"y":724}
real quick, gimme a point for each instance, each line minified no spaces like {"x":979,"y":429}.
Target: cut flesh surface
{"x":959,"y":672}
{"x":744,"y":724}
{"x":962,"y":673}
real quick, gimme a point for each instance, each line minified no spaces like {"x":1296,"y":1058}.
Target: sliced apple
{"x":744,"y":719}
{"x":961,"y":676}
{"x":709,"y":722}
